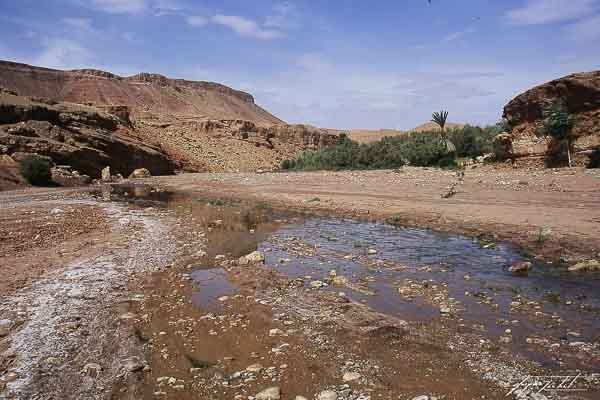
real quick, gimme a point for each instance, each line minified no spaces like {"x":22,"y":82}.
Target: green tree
{"x":558,"y":124}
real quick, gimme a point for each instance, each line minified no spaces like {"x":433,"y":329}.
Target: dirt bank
{"x":553,"y":213}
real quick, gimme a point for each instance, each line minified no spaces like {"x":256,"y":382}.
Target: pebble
{"x":372,"y":251}
{"x":272,"y":393}
{"x":351,"y":376}
{"x":255,"y":368}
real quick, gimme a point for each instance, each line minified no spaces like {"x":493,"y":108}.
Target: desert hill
{"x":148,"y":96}
{"x":370,"y":136}
{"x":201,"y":126}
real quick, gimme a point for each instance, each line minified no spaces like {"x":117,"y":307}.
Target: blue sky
{"x":338,"y":64}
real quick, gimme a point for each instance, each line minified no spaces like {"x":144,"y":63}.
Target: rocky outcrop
{"x":81,"y":137}
{"x":147,"y":96}
{"x":581,"y":94}
{"x":234,"y":145}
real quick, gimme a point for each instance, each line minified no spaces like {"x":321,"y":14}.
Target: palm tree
{"x":440,"y":118}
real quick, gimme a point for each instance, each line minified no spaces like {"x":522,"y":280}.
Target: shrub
{"x":594,"y":161}
{"x":36,"y":170}
{"x":287,"y":164}
{"x":473,"y":141}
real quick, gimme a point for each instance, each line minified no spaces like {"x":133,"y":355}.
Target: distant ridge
{"x":149,"y":96}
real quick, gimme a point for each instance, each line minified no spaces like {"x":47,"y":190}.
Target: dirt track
{"x":549,"y":212}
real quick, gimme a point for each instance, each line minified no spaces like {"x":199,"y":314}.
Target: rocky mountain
{"x":81,"y":137}
{"x":148,"y":96}
{"x":581,"y":93}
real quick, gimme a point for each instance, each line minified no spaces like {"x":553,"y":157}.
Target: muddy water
{"x":377,"y":259}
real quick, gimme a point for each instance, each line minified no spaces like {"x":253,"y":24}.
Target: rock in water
{"x":105,"y":176}
{"x":272,"y":393}
{"x":255,"y":257}
{"x":140,"y":173}
{"x":590,"y":265}
{"x":521,"y":267}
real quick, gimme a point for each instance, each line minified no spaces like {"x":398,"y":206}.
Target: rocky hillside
{"x":81,"y":137}
{"x":148,"y":96}
{"x":233,"y":145}
{"x":581,"y":93}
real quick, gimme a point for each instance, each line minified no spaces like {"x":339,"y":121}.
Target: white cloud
{"x":121,"y":6}
{"x":586,"y":30}
{"x":81,"y":24}
{"x":537,"y":12}
{"x":246,"y":27}
{"x":63,"y":54}
{"x":197,"y":20}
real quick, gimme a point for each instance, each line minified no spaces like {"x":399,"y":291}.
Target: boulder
{"x":581,"y":94}
{"x":140,"y":173}
{"x":75,"y":135}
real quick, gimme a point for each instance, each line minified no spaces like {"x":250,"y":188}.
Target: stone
{"x":445,"y":310}
{"x":140,"y":173}
{"x":422,"y":397}
{"x":243,"y":261}
{"x":254,"y":368}
{"x":133,"y":364}
{"x":327,"y":395}
{"x":317,"y":284}
{"x":521,"y":267}
{"x":589,"y":265}
{"x":339,"y":281}
{"x":272,"y":393}
{"x":105,"y":174}
{"x":5,"y":326}
{"x":300,"y":398}
{"x":351,"y":376}
{"x":372,"y":251}
{"x":255,"y":257}
{"x":275,"y":332}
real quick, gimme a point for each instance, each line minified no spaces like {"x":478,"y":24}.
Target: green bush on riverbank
{"x":422,"y":149}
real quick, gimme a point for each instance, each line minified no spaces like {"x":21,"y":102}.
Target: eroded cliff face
{"x":148,"y":96}
{"x":79,"y":136}
{"x":581,"y":93}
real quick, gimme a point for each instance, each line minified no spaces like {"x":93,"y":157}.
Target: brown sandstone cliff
{"x":581,"y":93}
